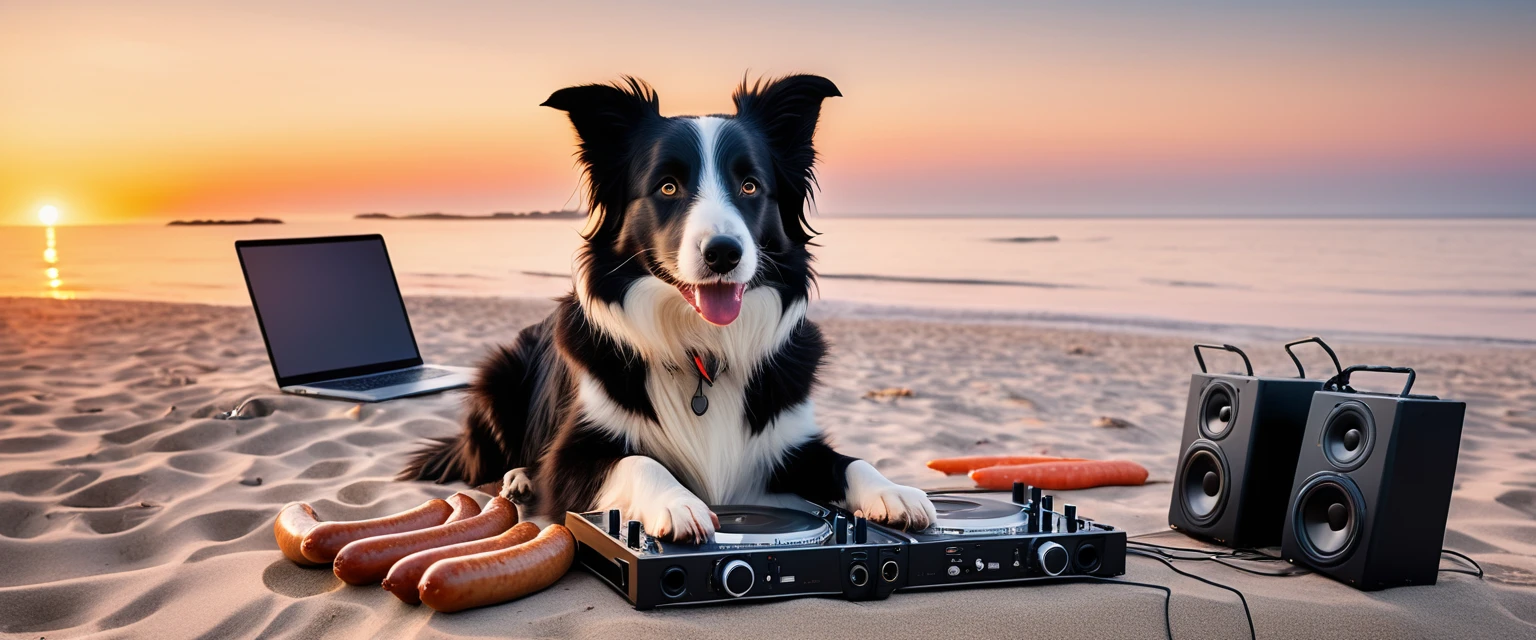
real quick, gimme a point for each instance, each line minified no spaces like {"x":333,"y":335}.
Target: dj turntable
{"x":983,"y":540}
{"x":758,"y":552}
{"x":775,"y":552}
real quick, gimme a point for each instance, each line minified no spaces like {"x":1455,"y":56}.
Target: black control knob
{"x":1019,"y":490}
{"x":613,"y":522}
{"x":1070,"y":512}
{"x":1046,"y":517}
{"x":1052,"y":558}
{"x":860,"y":530}
{"x":633,"y":535}
{"x":1034,"y":509}
{"x":840,"y":528}
{"x":735,"y":578}
{"x":858,"y":575}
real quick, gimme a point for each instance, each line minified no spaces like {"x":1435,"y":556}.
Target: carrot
{"x":1059,"y":476}
{"x":966,"y":464}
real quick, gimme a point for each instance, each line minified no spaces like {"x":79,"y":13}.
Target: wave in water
{"x":1194,"y":284}
{"x":906,"y":279}
{"x":953,"y":281}
{"x":1467,"y":293}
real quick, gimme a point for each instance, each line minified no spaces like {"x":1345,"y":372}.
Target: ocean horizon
{"x":1447,"y":278}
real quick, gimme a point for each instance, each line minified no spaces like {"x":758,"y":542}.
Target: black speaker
{"x":1373,"y":484}
{"x":1238,"y":456}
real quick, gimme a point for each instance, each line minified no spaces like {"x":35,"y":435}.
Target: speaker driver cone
{"x":1327,"y":518}
{"x":1203,"y":483}
{"x":1348,"y":434}
{"x":1218,"y":410}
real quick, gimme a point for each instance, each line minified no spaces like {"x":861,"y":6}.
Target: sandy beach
{"x":128,"y":510}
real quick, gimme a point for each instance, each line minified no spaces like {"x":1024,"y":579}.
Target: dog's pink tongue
{"x":719,"y":303}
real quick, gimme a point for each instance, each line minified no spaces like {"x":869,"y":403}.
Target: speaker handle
{"x":1224,"y":347}
{"x":1340,"y":382}
{"x":1302,"y":373}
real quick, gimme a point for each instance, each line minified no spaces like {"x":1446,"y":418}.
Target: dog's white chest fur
{"x":715,"y":455}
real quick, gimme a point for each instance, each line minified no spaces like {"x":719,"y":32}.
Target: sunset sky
{"x":143,"y":111}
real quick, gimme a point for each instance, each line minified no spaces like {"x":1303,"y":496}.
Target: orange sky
{"x":146,"y":111}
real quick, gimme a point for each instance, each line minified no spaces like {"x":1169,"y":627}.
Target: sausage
{"x":966,"y":464}
{"x":367,"y":561}
{"x":323,"y":542}
{"x":1062,"y":476}
{"x":405,"y":576}
{"x":494,"y":577}
{"x":464,"y":507}
{"x":295,"y":520}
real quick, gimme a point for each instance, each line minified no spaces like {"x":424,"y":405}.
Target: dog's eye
{"x":748,"y":188}
{"x":669,"y":188}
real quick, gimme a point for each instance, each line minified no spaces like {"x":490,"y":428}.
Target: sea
{"x":1416,"y":279}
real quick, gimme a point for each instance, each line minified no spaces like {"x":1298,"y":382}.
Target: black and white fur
{"x":590,"y":409}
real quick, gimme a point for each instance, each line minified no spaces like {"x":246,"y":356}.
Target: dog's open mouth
{"x":717,"y":302}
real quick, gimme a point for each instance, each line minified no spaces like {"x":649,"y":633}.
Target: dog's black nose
{"x":722,"y":254}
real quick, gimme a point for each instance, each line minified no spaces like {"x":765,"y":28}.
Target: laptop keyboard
{"x":381,"y":380}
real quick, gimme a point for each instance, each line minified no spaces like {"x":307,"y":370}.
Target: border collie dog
{"x":678,"y":373}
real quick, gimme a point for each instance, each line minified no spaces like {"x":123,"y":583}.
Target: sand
{"x":127,"y":510}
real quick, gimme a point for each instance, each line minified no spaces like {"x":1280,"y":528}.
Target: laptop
{"x":334,"y":322}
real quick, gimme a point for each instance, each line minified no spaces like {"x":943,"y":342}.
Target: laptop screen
{"x":328,"y":307}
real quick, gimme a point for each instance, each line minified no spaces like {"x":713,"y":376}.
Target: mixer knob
{"x":840,"y":528}
{"x":633,"y":537}
{"x":1052,"y":558}
{"x":1019,"y":489}
{"x":736,"y":578}
{"x":1034,"y":509}
{"x":613,"y":522}
{"x":860,"y":530}
{"x":1070,"y":511}
{"x":1047,"y":519}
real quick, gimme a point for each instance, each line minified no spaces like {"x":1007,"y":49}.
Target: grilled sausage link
{"x":405,"y":576}
{"x":323,"y":542}
{"x":477,"y":580}
{"x":295,"y":520}
{"x":464,"y":508}
{"x":367,"y":561}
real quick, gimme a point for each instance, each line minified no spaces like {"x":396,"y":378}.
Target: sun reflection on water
{"x":55,"y":284}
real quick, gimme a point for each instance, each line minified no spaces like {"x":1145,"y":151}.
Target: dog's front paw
{"x":679,"y":517}
{"x":517,"y":486}
{"x":886,"y":502}
{"x":898,"y":506}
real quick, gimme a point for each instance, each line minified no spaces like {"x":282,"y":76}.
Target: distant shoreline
{"x":220,"y":223}
{"x":530,"y":215}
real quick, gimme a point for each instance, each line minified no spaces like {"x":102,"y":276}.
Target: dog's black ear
{"x":786,"y":109}
{"x":606,"y":117}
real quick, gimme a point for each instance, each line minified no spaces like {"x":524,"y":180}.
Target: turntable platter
{"x":748,"y":525}
{"x":975,"y":515}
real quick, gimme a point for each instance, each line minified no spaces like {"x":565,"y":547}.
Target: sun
{"x":48,"y":215}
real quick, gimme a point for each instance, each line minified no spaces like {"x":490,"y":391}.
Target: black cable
{"x":1167,"y":594}
{"x":1286,"y":573}
{"x":1238,"y":551}
{"x":1245,"y":555}
{"x":1247,"y":615}
{"x":1463,"y":556}
{"x":1201,"y":553}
